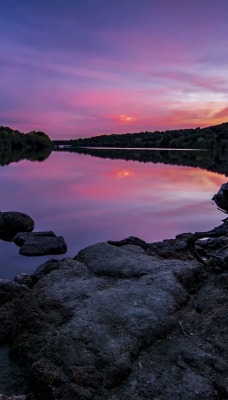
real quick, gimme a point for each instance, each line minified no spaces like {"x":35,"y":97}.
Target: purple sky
{"x":76,"y":68}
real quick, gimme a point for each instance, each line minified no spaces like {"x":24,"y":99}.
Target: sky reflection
{"x":88,"y":200}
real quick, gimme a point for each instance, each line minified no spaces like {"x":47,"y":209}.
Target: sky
{"x":79,"y":68}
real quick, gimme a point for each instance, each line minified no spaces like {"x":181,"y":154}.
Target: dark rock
{"x":46,"y":268}
{"x":23,"y":279}
{"x":12,"y":222}
{"x":37,"y":245}
{"x":121,"y":322}
{"x":221,"y":198}
{"x":169,"y":249}
{"x":21,"y":237}
{"x":20,"y":397}
{"x":11,"y":377}
{"x":131,"y":240}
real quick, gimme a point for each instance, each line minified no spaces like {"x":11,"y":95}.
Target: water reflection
{"x":88,"y":200}
{"x":214,"y":160}
{"x":8,"y":156}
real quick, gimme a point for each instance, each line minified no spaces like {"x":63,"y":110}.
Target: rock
{"x":20,"y":397}
{"x":120,"y":322}
{"x":36,"y":245}
{"x":221,"y":198}
{"x":21,"y":237}
{"x":23,"y":279}
{"x":12,"y":222}
{"x":40,"y":243}
{"x":131,"y":240}
{"x":169,"y":248}
{"x":46,"y":268}
{"x":10,"y":292}
{"x":11,"y":377}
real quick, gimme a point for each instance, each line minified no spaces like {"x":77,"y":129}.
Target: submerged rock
{"x":12,"y":222}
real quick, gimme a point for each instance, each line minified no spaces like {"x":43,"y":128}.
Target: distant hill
{"x":212,"y":137}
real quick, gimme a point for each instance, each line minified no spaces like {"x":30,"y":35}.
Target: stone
{"x":36,"y":245}
{"x":221,"y":198}
{"x":23,"y":279}
{"x":120,"y":322}
{"x":11,"y":376}
{"x":12,"y":222}
{"x":169,"y":248}
{"x":21,"y":237}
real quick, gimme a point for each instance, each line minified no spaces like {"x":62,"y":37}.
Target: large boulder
{"x":221,"y":198}
{"x":120,"y":323}
{"x":12,"y":222}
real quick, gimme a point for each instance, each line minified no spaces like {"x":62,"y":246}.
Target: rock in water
{"x":22,"y":237}
{"x":37,"y":245}
{"x":12,"y":222}
{"x":221,"y":198}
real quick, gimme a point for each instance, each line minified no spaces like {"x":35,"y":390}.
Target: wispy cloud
{"x":89,"y":67}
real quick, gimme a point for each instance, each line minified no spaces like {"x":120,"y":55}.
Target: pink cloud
{"x":222,"y":114}
{"x":214,"y":84}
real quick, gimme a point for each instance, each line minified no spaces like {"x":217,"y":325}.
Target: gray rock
{"x":117,"y":323}
{"x":120,"y":322}
{"x":12,"y":222}
{"x":12,"y":379}
{"x":169,"y":248}
{"x":37,"y":245}
{"x":21,"y":237}
{"x":23,"y":279}
{"x":46,"y":268}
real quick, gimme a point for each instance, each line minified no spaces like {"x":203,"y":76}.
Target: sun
{"x":123,"y":173}
{"x":126,"y":118}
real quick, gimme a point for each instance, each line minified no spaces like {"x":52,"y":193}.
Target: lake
{"x":90,"y":199}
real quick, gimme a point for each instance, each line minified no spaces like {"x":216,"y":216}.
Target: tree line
{"x":200,"y":138}
{"x":15,"y":145}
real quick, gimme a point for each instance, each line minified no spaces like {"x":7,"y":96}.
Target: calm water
{"x":89,"y":200}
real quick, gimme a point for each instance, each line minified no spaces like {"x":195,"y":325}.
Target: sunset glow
{"x":82,"y":68}
{"x":124,"y":173}
{"x":126,"y":118}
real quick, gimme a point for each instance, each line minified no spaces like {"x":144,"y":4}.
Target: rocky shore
{"x":124,"y":320}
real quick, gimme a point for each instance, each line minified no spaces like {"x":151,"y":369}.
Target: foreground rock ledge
{"x":121,"y":321}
